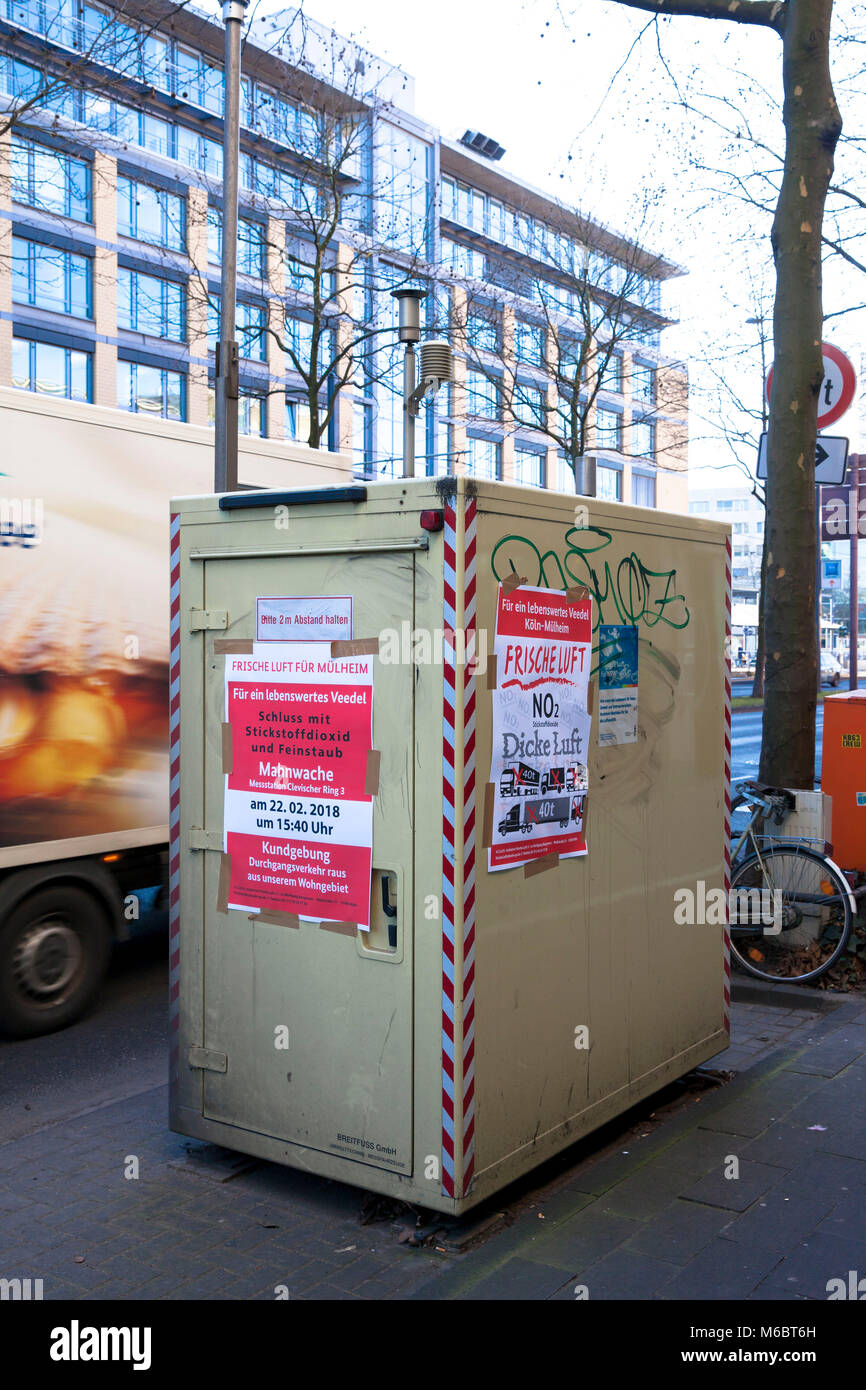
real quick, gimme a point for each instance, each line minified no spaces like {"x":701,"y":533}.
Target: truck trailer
{"x":84,"y":700}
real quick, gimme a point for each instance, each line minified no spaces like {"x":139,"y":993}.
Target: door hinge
{"x":205,"y":1059}
{"x":204,"y":619}
{"x":205,"y":839}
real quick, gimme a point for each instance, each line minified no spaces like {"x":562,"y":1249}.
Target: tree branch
{"x":770,"y":13}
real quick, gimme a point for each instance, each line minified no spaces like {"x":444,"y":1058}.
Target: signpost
{"x":831,"y":456}
{"x":837,"y":389}
{"x":842,"y":516}
{"x":835,"y":397}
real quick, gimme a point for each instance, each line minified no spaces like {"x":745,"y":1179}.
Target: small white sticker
{"x":304,"y":619}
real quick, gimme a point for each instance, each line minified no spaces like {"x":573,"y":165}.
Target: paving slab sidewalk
{"x":664,"y":1219}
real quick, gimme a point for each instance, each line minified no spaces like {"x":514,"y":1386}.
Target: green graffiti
{"x":631,"y":593}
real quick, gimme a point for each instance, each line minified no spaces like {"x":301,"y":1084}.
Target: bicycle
{"x":791,"y":909}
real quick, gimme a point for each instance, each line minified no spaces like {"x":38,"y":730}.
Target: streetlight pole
{"x":226,"y":420}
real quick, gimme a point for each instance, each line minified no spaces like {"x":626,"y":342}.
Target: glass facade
{"x":643,"y":490}
{"x":151,"y":390}
{"x":49,"y":278}
{"x":51,"y":370}
{"x":388,"y":182}
{"x":528,"y":467}
{"x":151,"y":304}
{"x":48,"y":179}
{"x":150,"y":214}
{"x":484,"y":458}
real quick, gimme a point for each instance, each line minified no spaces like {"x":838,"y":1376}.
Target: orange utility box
{"x":843,"y":775}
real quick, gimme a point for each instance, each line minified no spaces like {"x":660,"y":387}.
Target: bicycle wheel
{"x":790,"y":914}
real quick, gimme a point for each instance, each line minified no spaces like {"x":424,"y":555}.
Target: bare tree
{"x":812,"y":128}
{"x":580,"y":297}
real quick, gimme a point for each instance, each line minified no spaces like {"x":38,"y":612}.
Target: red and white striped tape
{"x":727,"y":783}
{"x":174,"y":805}
{"x":458,"y":848}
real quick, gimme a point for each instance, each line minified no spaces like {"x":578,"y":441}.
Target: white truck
{"x":84,"y":525}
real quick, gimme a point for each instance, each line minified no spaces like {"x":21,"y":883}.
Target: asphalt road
{"x":746,"y":742}
{"x":118,"y":1050}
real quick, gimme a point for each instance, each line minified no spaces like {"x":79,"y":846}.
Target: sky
{"x":587,"y":99}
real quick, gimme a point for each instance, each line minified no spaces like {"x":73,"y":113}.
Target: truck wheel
{"x":54,"y":950}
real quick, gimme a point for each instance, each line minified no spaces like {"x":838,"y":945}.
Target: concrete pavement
{"x":753,"y":1190}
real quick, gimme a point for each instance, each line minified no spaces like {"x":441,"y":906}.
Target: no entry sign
{"x":837,"y":389}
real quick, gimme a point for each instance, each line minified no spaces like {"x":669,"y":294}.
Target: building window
{"x":251,"y":244}
{"x":250,"y":329}
{"x":483,"y":331}
{"x":529,"y":405}
{"x":643,"y":490}
{"x":252,"y":415}
{"x":528,"y":467}
{"x":699,"y":507}
{"x":725,"y":505}
{"x":483,"y":397}
{"x":529,"y":342}
{"x":150,"y":304}
{"x":462,"y":260}
{"x":150,"y":214}
{"x":643,"y":382}
{"x":151,"y":390}
{"x":484,"y":458}
{"x":49,"y":278}
{"x":608,"y":483}
{"x":608,"y":429}
{"x":610,"y":372}
{"x":51,"y":370}
{"x":564,"y":475}
{"x":45,"y":178}
{"x":643,"y":438}
{"x":298,"y":422}
{"x":402,"y":167}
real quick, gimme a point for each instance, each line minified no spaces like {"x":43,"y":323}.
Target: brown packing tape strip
{"x":513,"y":582}
{"x":224,"y":883}
{"x":371,"y":778}
{"x":228,"y":749}
{"x":492,"y":672}
{"x":539,"y":866}
{"x":276,"y":919}
{"x":341,"y":928}
{"x":232,"y":646}
{"x":577,"y":593}
{"x":363,"y":646}
{"x":487,"y":828}
{"x":590,"y":698}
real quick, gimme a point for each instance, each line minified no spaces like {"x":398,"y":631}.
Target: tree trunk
{"x":758,"y":681}
{"x":812,"y":128}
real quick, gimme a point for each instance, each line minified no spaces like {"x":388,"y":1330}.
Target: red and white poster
{"x":541,"y":724}
{"x":298,"y":820}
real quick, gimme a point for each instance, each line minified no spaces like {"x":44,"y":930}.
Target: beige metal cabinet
{"x":443,"y":1053}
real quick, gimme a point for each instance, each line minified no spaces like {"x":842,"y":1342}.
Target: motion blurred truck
{"x":84,"y":580}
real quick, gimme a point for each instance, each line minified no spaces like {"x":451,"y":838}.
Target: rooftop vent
{"x":481,"y":144}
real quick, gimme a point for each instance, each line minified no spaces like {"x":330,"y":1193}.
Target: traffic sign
{"x":831,"y":456}
{"x":831,"y":574}
{"x":837,"y":389}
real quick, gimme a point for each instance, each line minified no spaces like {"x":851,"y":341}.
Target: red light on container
{"x":432,"y":521}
